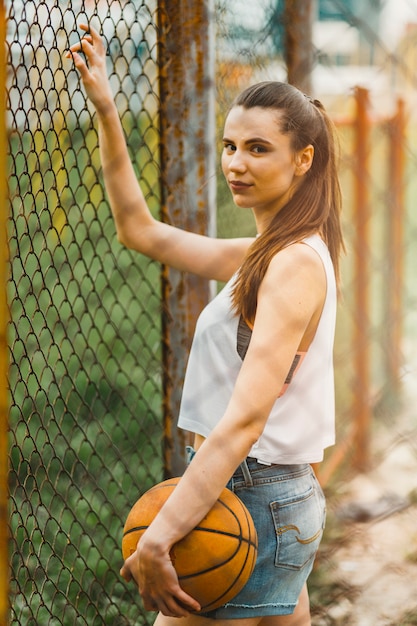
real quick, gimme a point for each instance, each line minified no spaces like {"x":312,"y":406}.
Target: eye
{"x":229,"y":147}
{"x":257,"y":149}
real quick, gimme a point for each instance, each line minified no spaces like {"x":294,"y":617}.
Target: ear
{"x":304,"y":160}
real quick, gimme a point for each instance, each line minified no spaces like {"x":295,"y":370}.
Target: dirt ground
{"x":369,"y":563}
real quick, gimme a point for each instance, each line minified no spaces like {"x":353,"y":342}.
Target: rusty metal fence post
{"x":395,"y":246}
{"x":368,"y":393}
{"x":361,"y":402}
{"x":4,"y":552}
{"x":187,"y":118}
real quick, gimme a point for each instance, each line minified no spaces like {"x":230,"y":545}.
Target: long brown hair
{"x":316,"y":204}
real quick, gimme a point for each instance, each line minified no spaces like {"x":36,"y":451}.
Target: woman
{"x":268,"y":337}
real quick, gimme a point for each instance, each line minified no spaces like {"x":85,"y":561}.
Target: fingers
{"x":169,"y":605}
{"x":93,"y":37}
{"x":89,"y":57}
{"x":187,"y":602}
{"x":170,"y":602}
{"x":90,"y":43}
{"x":125,"y":573}
{"x":80,"y":64}
{"x":84,"y":45}
{"x":169,"y":599}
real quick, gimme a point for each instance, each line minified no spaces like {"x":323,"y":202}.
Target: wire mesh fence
{"x":86,"y":364}
{"x":85,"y":373}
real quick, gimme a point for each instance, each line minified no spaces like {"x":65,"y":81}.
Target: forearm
{"x":128,"y":205}
{"x":198,"y":489}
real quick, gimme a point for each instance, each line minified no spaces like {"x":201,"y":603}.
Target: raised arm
{"x":136,"y":227}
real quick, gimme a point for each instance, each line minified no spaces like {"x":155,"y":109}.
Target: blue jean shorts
{"x":288,"y":508}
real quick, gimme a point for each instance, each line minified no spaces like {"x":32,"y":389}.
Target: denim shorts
{"x":288,"y":508}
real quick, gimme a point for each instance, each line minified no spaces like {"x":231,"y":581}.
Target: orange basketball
{"x":214,"y":561}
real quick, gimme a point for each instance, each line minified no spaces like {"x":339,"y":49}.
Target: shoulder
{"x":297,"y":257}
{"x":294,"y":271}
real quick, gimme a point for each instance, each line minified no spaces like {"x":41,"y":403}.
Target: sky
{"x":395,"y":16}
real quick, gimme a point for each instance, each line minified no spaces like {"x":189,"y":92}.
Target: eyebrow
{"x":249,"y":141}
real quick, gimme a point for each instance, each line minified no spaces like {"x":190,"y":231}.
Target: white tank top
{"x":301,"y":423}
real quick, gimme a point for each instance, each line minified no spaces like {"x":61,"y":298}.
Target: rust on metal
{"x":361,"y":408}
{"x":186,"y":64}
{"x":395,"y":244}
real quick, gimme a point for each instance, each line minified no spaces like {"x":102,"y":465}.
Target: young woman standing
{"x":258,"y":393}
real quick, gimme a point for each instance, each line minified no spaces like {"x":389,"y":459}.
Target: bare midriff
{"x":198,"y":441}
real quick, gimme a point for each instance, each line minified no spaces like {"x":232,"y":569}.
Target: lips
{"x":238,"y":185}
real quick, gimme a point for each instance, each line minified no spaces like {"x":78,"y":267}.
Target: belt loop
{"x":246,"y":474}
{"x":189,"y":454}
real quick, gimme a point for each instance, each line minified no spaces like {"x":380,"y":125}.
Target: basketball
{"x":214,"y":561}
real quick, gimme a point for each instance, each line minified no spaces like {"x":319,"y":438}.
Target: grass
{"x":408,"y":619}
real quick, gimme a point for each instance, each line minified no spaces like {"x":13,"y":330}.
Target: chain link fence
{"x":85,"y":373}
{"x":86,"y":377}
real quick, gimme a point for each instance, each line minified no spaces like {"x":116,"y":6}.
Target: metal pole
{"x":187,"y":121}
{"x":4,"y":317}
{"x":395,"y":246}
{"x":361,"y":403}
{"x":298,"y":42}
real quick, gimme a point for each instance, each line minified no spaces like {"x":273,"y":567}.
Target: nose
{"x":236,"y":162}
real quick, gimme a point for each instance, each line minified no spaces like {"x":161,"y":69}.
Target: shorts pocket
{"x":299,"y":524}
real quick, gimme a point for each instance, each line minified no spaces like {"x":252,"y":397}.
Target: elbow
{"x":245,"y":437}
{"x":128,"y":237}
{"x":251,"y":429}
{"x":138,"y":235}
{"x":122,"y":238}
{"x":253,"y":436}
{"x":248,"y":439}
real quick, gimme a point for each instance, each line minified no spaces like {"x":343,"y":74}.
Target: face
{"x":261,"y":168}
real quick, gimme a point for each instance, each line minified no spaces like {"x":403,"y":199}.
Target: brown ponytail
{"x":316,"y":205}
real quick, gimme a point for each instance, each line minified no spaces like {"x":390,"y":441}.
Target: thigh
{"x":300,"y":617}
{"x":196,"y":620}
